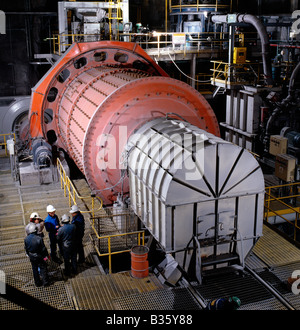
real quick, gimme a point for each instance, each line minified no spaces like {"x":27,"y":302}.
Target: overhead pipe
{"x":261,"y":30}
{"x":285,"y":46}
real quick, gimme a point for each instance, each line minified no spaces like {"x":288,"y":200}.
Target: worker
{"x":35,"y":218}
{"x":78,"y":221}
{"x":38,"y":255}
{"x":52,"y":225}
{"x":226,"y":303}
{"x":66,"y":240}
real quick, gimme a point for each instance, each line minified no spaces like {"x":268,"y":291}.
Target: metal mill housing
{"x":98,"y":94}
{"x":130,"y":128}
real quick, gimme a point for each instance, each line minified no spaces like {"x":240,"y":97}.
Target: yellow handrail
{"x":270,"y":198}
{"x":4,"y":143}
{"x":115,"y":226}
{"x":223,"y":72}
{"x":69,"y":188}
{"x":159,"y":40}
{"x":140,"y":240}
{"x":197,"y":5}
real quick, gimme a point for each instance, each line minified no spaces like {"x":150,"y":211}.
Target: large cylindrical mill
{"x":99,"y":94}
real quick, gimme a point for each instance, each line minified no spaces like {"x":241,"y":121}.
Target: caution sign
{"x":179,"y":39}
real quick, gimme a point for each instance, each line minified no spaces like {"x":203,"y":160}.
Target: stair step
{"x":214,"y":260}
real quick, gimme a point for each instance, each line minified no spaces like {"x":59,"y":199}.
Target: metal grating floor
{"x":21,"y":289}
{"x":253,"y":295}
{"x":246,"y":288}
{"x":274,"y":250}
{"x":16,"y":204}
{"x":99,"y":292}
{"x":268,"y":304}
{"x":273,"y":257}
{"x":168,"y":299}
{"x":90,"y":289}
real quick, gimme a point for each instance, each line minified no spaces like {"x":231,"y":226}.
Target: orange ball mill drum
{"x":97,"y":95}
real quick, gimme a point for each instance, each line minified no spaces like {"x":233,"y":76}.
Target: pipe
{"x":285,"y":46}
{"x":261,"y":30}
{"x":271,"y":289}
{"x":292,"y":80}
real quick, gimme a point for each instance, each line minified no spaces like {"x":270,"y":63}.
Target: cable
{"x":175,"y":114}
{"x":123,"y":161}
{"x":200,"y":81}
{"x":121,"y":180}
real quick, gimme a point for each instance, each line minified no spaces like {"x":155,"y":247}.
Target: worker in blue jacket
{"x":38,"y":255}
{"x":78,"y":221}
{"x":52,"y":225}
{"x":66,"y":241}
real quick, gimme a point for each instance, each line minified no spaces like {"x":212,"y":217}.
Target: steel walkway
{"x":273,"y":258}
{"x":79,"y":292}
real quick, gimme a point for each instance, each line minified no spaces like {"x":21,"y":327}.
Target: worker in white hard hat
{"x":66,"y":240}
{"x":78,"y":221}
{"x":35,"y":218}
{"x":38,"y":254}
{"x":52,"y":225}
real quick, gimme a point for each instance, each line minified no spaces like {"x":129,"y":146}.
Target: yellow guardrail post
{"x":268,"y":201}
{"x":93,"y":205}
{"x":4,"y":143}
{"x":109,"y":240}
{"x":270,"y":198}
{"x":59,"y":45}
{"x":296,"y":226}
{"x":64,"y":178}
{"x":60,"y":176}
{"x":109,"y":254}
{"x":72,"y":192}
{"x":5,"y":146}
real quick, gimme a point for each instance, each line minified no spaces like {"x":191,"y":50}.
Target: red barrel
{"x":139,"y":261}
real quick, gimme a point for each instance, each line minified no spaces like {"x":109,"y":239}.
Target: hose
{"x":261,"y":30}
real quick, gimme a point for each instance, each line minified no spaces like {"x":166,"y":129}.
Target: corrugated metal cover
{"x":182,"y":178}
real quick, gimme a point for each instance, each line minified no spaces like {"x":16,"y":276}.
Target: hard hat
{"x":65,"y":218}
{"x":74,"y":209}
{"x":50,"y":208}
{"x":236,"y":301}
{"x":34,"y":215}
{"x":31,"y":228}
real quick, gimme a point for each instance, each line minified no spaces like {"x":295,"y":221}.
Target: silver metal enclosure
{"x":12,"y":110}
{"x":197,"y":194}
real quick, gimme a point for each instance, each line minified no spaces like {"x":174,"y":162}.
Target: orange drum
{"x":96,"y":96}
{"x":139,"y":261}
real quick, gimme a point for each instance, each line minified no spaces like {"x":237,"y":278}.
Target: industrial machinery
{"x":191,"y":16}
{"x":98,"y":95}
{"x":261,"y":111}
{"x":13,"y":111}
{"x":150,"y":146}
{"x":135,"y":132}
{"x":91,"y":21}
{"x":200,"y":196}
